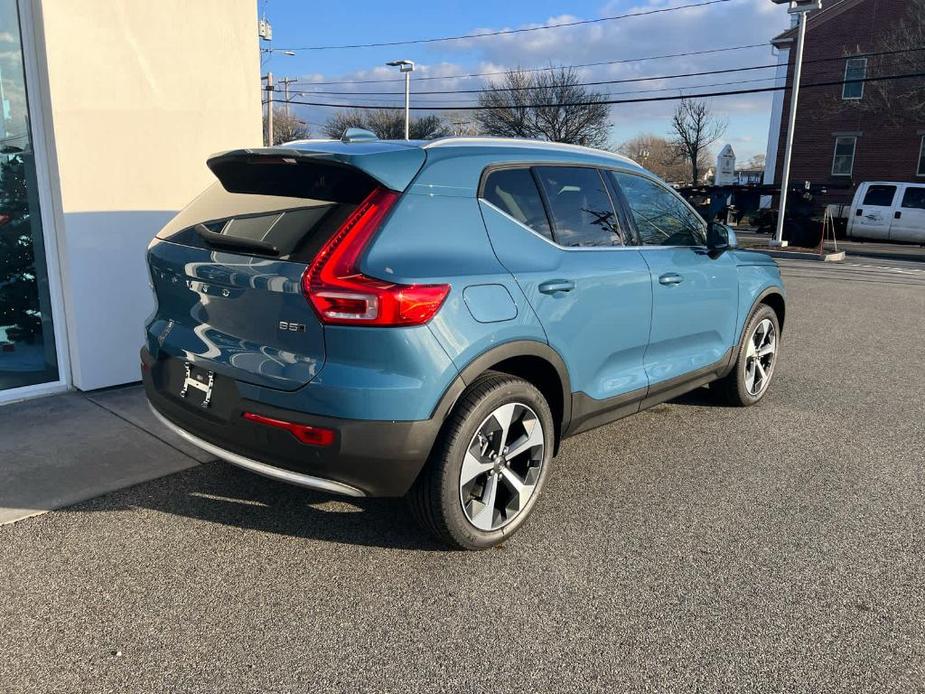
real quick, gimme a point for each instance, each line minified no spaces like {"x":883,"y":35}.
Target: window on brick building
{"x":855,"y":71}
{"x":921,"y":170}
{"x":843,"y":160}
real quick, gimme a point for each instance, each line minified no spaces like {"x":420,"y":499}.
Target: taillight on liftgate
{"x":342,"y":295}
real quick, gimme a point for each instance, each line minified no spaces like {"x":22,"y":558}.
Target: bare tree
{"x":462,"y":123}
{"x":694,"y":129}
{"x":658,"y":155}
{"x":756,"y":162}
{"x":335,"y":126}
{"x":548,"y":105}
{"x":507,"y":113}
{"x":387,"y":124}
{"x":286,"y":127}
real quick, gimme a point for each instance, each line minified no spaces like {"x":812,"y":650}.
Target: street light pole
{"x":802,"y":8}
{"x":407,"y":67}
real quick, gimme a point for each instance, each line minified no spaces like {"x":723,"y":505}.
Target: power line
{"x":577,"y":84}
{"x":651,"y":78}
{"x":544,"y":69}
{"x":428,"y":104}
{"x":480,"y":107}
{"x":507,"y":32}
{"x":634,"y":91}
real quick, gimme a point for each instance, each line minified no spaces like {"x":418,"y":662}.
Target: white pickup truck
{"x":889,"y":211}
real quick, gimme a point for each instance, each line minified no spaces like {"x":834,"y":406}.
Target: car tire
{"x":494,"y":448}
{"x":751,"y":376}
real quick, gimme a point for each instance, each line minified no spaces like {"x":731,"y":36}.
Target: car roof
{"x":454,"y":165}
{"x":523,"y":143}
{"x":466,"y":145}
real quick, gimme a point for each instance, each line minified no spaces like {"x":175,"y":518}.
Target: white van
{"x":889,"y":211}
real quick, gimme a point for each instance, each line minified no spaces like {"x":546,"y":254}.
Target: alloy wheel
{"x":502,"y":466}
{"x":759,"y":357}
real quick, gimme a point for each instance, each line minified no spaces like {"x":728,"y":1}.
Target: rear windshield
{"x":295,"y":227}
{"x":269,"y":205}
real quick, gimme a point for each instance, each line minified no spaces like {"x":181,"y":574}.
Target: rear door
{"x":909,"y":217}
{"x":874,"y":214}
{"x":694,"y":295}
{"x":227,"y":270}
{"x":555,"y":229}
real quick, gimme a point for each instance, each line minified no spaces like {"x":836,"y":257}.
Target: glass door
{"x":27,"y":344}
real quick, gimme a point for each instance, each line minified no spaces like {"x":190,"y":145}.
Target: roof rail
{"x":521,"y":142}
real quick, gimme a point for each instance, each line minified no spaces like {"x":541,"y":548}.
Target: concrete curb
{"x":838,"y":257}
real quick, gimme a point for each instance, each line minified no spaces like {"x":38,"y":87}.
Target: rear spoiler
{"x":323,"y":170}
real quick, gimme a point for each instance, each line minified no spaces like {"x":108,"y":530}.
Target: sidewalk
{"x":59,"y":450}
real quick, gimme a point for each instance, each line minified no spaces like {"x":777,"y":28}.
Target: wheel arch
{"x":775,"y":299}
{"x":535,"y":362}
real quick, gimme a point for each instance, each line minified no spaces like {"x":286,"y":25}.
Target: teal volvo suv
{"x":431,"y":319}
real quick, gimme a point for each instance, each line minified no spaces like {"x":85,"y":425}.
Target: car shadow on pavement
{"x":700,"y":397}
{"x":221,"y":493}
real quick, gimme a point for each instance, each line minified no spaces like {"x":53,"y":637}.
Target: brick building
{"x":855,"y":131}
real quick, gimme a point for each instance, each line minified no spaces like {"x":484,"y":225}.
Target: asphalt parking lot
{"x":691,"y":547}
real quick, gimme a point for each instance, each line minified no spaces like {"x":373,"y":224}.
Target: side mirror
{"x":720,"y":237}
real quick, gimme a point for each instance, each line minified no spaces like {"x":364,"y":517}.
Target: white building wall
{"x":137,"y":94}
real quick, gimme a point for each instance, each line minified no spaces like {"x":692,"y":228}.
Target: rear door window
{"x":514,"y":192}
{"x":914,"y":198}
{"x":580,"y":206}
{"x":879,"y":196}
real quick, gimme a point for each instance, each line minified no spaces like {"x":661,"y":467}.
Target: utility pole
{"x":802,"y":8}
{"x":286,"y":81}
{"x":269,"y":89}
{"x":407,"y":67}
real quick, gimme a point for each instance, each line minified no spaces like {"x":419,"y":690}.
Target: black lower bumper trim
{"x":277,"y":473}
{"x":377,"y":458}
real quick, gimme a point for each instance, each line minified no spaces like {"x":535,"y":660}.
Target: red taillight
{"x":313,"y":436}
{"x":342,"y":295}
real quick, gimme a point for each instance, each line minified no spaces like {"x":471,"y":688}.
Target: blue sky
{"x":297,"y":24}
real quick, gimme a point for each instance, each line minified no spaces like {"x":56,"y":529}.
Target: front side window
{"x":514,"y":192}
{"x":580,"y":207}
{"x":855,"y":72}
{"x":914,"y":198}
{"x":921,"y":170}
{"x":662,"y":218}
{"x":879,"y":196}
{"x":843,"y":160}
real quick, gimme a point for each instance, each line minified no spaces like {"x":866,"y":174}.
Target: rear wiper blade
{"x":221,"y":240}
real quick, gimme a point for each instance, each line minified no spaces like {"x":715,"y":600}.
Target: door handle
{"x":554,"y":286}
{"x":897,"y":215}
{"x":670,"y":278}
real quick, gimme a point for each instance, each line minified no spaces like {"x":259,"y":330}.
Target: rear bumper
{"x":299,"y":479}
{"x":367,"y":458}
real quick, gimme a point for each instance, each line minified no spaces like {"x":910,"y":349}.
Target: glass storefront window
{"x":27,"y":346}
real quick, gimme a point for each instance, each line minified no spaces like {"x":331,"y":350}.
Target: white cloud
{"x":694,"y":29}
